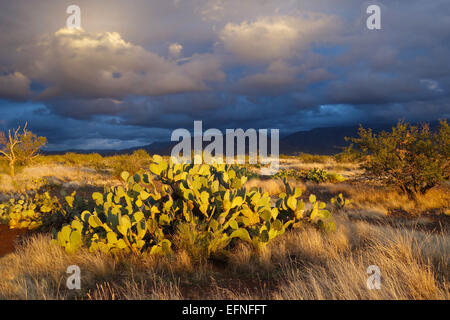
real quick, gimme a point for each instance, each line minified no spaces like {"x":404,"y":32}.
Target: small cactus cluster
{"x":315,"y":175}
{"x":26,"y":212}
{"x":288,"y":173}
{"x":340,"y":202}
{"x":321,"y":175}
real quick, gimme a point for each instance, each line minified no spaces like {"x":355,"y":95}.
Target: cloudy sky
{"x":139,"y":69}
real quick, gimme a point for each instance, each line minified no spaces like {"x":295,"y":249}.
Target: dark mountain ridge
{"x":323,"y":141}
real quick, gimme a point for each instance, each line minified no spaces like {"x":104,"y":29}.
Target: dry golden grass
{"x":347,"y":170}
{"x":302,"y":264}
{"x":36,"y":177}
{"x":37,"y":270}
{"x":365,"y":196}
{"x":336,"y":268}
{"x":273,"y":186}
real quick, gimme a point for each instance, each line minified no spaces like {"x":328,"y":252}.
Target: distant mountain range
{"x":323,"y":141}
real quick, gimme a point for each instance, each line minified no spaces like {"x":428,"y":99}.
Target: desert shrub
{"x":347,"y":156}
{"x":133,"y":163}
{"x":77,"y":159}
{"x":141,"y":153}
{"x":413,"y":158}
{"x":4,"y":166}
{"x":314,"y":158}
{"x":20,"y":147}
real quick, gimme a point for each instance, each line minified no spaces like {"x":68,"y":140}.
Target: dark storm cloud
{"x":69,"y":133}
{"x":142,"y":68}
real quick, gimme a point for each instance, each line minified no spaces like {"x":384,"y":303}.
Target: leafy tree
{"x":20,"y":147}
{"x":413,"y":158}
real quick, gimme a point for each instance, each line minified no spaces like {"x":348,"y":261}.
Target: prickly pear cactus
{"x":205,"y":204}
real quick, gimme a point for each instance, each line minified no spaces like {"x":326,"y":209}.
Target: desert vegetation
{"x":20,"y":148}
{"x":413,"y":159}
{"x":140,"y":226}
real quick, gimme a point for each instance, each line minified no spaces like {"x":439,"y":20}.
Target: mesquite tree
{"x":413,"y":158}
{"x":20,"y":147}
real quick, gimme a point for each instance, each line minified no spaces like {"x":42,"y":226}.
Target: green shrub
{"x":20,"y":148}
{"x":347,"y":156}
{"x":414,"y":159}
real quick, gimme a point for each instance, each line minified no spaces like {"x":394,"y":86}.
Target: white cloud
{"x":175,"y":50}
{"x":104,"y":65}
{"x":278,"y":37}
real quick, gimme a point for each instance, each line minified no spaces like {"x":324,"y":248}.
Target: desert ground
{"x":408,"y":239}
